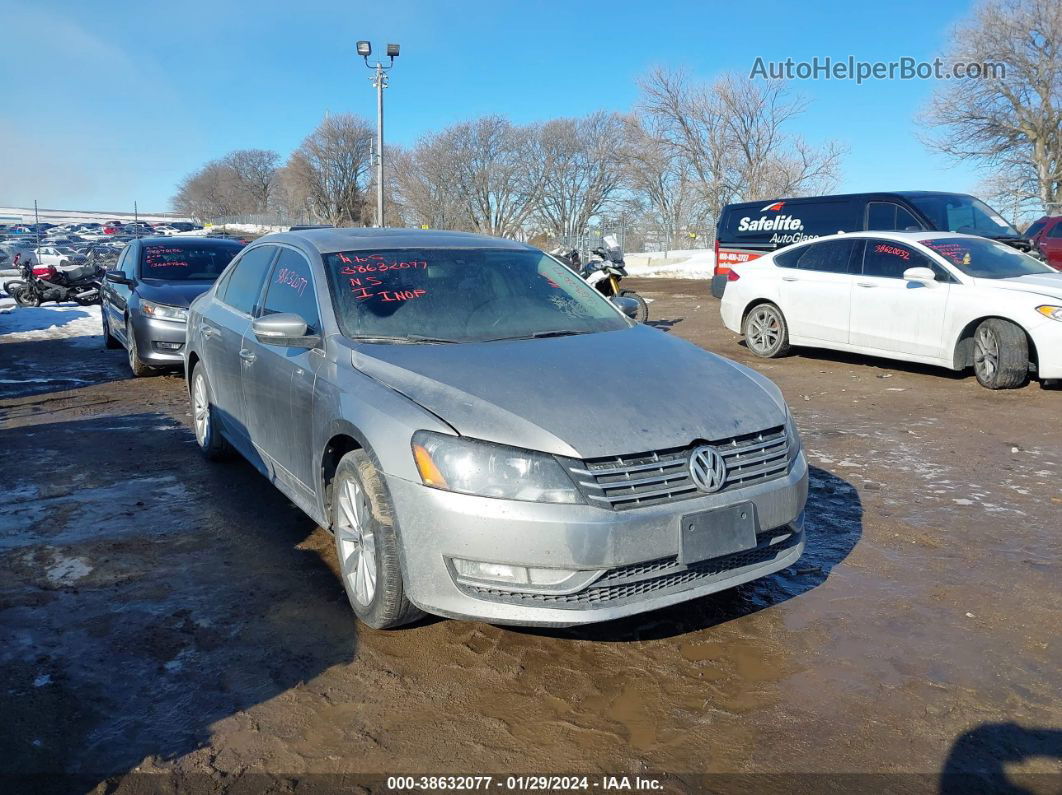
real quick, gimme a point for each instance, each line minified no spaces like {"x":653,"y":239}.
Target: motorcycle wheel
{"x":643,"y":307}
{"x":24,"y":297}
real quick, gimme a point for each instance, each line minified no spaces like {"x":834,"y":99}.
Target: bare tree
{"x":330,"y":169}
{"x":238,"y":183}
{"x":254,"y":172}
{"x":1012,"y":124}
{"x":582,"y":169}
{"x":732,"y":133}
{"x":660,"y":181}
{"x":481,"y":175}
{"x":423,"y":186}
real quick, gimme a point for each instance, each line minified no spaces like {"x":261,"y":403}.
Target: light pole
{"x":379,"y":80}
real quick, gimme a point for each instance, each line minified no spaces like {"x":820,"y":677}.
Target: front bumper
{"x":155,"y":340}
{"x":1047,"y":337}
{"x":637,"y":549}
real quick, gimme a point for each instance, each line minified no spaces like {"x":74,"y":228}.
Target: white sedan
{"x":939,"y":298}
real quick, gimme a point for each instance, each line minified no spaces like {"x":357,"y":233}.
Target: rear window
{"x":1034,"y":230}
{"x":777,"y":224}
{"x":186,"y":262}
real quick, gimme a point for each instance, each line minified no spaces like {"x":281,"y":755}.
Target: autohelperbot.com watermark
{"x":851,"y":68}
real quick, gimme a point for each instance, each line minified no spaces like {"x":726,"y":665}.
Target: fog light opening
{"x":522,"y":578}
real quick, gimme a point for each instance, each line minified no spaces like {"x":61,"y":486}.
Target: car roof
{"x":171,"y":240}
{"x":886,"y":194}
{"x":913,"y":237}
{"x":332,"y":239}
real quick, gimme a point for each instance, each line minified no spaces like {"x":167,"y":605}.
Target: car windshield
{"x":953,"y":212}
{"x":182,"y":262}
{"x":984,"y":259}
{"x":462,"y":295}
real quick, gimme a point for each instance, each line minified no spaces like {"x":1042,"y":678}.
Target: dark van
{"x":747,"y":230}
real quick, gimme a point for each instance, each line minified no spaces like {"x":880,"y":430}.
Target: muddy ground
{"x":160,"y":613}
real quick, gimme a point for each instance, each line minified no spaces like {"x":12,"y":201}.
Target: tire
{"x":1001,"y":355}
{"x":109,"y":342}
{"x":207,"y":436}
{"x":24,"y":296}
{"x":363,"y":522}
{"x":643,"y":307}
{"x":135,"y":364}
{"x":766,"y":332}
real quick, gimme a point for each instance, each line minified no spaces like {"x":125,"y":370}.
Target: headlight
{"x":164,"y":312}
{"x":453,"y":463}
{"x":1053,"y":312}
{"x":793,"y":435}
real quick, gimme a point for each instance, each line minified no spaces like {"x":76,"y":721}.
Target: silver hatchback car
{"x":485,"y":435}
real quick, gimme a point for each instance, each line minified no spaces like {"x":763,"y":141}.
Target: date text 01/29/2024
{"x":524,"y":783}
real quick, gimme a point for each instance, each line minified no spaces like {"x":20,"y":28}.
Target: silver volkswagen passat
{"x":485,"y":435}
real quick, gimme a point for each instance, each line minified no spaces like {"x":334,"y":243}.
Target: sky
{"x":111,"y":102}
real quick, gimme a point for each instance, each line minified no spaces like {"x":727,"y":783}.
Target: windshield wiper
{"x":540,"y":335}
{"x":408,"y":339}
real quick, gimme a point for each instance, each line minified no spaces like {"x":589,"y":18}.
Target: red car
{"x":1046,"y":236}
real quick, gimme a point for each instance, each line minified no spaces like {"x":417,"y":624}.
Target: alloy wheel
{"x":200,"y":410}
{"x":986,"y":353}
{"x":764,"y":330}
{"x":356,"y":541}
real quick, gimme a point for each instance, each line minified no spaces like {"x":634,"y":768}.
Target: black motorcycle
{"x":80,"y":284}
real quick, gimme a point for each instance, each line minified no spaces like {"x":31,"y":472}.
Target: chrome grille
{"x":634,"y":481}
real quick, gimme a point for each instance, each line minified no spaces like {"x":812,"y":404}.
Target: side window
{"x":831,"y":256}
{"x":1034,"y":230}
{"x":889,"y":217}
{"x":888,"y":260}
{"x":789,"y":257}
{"x":1056,"y":230}
{"x":905,"y":222}
{"x":881,"y":216}
{"x":245,"y":283}
{"x":291,"y":289}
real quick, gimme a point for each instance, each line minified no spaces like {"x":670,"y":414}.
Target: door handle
{"x":246,"y":355}
{"x":790,"y":279}
{"x":866,"y":284}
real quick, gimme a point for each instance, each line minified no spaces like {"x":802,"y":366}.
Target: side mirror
{"x":118,"y":277}
{"x":920,"y":275}
{"x":627,"y":306}
{"x":285,"y":329}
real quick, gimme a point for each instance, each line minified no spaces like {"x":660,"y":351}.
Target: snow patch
{"x":80,"y":324}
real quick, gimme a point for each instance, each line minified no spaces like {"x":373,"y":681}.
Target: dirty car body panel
{"x":632,"y":528}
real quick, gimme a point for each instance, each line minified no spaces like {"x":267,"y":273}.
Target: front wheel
{"x":766,"y":332}
{"x":1001,"y":355}
{"x":23,"y":295}
{"x":367,"y":544}
{"x":643,"y":307}
{"x":135,"y":364}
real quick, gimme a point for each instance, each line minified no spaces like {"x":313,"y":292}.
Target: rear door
{"x":224,"y":322}
{"x":891,"y":314}
{"x":278,"y":380}
{"x":816,"y":288}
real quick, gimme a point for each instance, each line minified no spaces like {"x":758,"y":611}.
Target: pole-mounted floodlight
{"x":379,"y":81}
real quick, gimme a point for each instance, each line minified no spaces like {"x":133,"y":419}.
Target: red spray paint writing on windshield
{"x":902,"y":253}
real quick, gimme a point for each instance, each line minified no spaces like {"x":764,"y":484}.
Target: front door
{"x":1051,"y":245}
{"x":278,"y":380}
{"x":895,"y":315}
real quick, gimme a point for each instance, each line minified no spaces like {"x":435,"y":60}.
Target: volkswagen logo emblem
{"x":708,"y":469}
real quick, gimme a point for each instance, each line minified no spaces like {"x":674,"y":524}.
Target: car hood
{"x":588,"y":395}
{"x":1048,"y":284}
{"x":171,"y":293}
